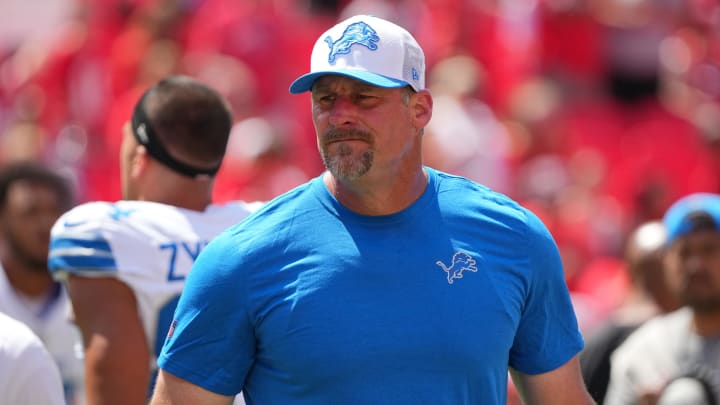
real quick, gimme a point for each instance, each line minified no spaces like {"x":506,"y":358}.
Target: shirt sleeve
{"x":80,"y":243}
{"x":548,"y":334}
{"x":211,"y":341}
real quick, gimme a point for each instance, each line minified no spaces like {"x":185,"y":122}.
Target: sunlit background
{"x":596,"y":114}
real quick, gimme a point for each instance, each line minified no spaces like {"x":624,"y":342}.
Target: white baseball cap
{"x":369,"y":49}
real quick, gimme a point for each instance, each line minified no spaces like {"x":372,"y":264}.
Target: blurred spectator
{"x":685,"y":342}
{"x":645,"y":295}
{"x":32,"y":197}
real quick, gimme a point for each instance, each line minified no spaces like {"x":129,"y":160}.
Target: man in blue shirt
{"x":382,"y":280}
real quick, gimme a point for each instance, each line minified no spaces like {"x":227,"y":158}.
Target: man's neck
{"x":189,"y":196}
{"x":164,"y":186}
{"x":372,"y":198}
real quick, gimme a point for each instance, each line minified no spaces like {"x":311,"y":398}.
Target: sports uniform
{"x":679,"y":351}
{"x":28,"y":374}
{"x":307,"y":302}
{"x":49,"y":320}
{"x":147,"y":245}
{"x":661,"y":350}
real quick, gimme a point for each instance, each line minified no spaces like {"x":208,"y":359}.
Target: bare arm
{"x":117,"y":357}
{"x":171,"y":390}
{"x":562,"y":386}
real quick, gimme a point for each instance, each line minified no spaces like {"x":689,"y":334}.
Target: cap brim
{"x":305,"y":82}
{"x":675,"y":219}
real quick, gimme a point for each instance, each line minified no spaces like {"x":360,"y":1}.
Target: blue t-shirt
{"x":306,"y":302}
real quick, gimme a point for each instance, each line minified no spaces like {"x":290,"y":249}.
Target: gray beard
{"x":344,"y":166}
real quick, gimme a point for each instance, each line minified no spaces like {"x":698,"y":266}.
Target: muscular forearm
{"x":115,"y":374}
{"x":117,"y":356}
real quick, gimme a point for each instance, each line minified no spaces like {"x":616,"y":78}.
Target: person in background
{"x":125,"y":263}
{"x":649,"y":295}
{"x":684,"y":344}
{"x":381,"y":280}
{"x":28,"y":373}
{"x":32,"y":197}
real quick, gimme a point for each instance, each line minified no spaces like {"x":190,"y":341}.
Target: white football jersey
{"x":28,"y":374}
{"x":149,"y":246}
{"x":50,"y":322}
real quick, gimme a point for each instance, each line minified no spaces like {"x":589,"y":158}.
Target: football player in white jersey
{"x":28,"y":374}
{"x":32,"y":197}
{"x":125,"y":263}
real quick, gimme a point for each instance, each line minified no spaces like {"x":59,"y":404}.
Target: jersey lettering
{"x":179,"y":250}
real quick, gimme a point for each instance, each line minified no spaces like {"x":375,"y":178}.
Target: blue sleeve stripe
{"x":71,"y":254}
{"x":75,"y":243}
{"x":78,"y":263}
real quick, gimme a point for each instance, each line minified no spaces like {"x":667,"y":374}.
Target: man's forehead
{"x":330,"y":82}
{"x":696,"y":237}
{"x":29,"y":191}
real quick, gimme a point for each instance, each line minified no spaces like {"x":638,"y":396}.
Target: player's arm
{"x":117,"y":356}
{"x":562,"y":386}
{"x":171,"y":390}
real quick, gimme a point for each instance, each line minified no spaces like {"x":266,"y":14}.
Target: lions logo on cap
{"x":355,"y":33}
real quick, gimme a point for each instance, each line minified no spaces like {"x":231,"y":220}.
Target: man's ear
{"x":422,"y":104}
{"x":140,"y":161}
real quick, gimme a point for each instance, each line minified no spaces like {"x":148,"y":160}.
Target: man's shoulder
{"x":461,"y":195}
{"x":94,"y":220}
{"x":235,"y":209}
{"x":274,"y":219}
{"x":132,"y":216}
{"x":84,"y":213}
{"x":284,"y":205}
{"x":103,"y":211}
{"x":482,"y":195}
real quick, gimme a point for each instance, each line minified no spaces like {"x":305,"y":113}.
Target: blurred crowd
{"x":596,"y":114}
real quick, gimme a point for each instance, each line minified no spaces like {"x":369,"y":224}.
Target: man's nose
{"x":343,"y":111}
